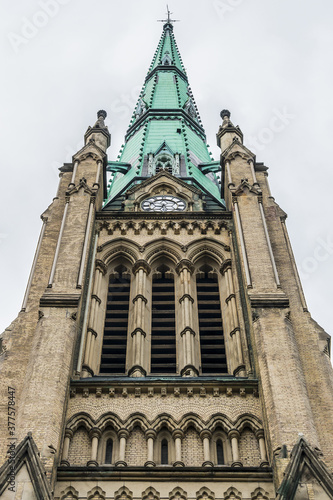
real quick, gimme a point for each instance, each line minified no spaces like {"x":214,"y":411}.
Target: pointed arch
{"x":81,"y":419}
{"x":205,"y":493}
{"x":220,"y":420}
{"x":116,"y":247}
{"x":216,"y":250}
{"x":178,"y":493}
{"x":123,"y":494}
{"x":232,"y":494}
{"x":137,"y":420}
{"x":150,"y":494}
{"x":248,"y":420}
{"x":96,"y":493}
{"x":191,"y":420}
{"x":163,"y":246}
{"x":69,"y":493}
{"x":164,"y":420}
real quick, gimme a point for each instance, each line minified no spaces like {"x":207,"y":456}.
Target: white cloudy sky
{"x":258,"y":58}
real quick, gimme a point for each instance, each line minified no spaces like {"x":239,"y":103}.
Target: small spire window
{"x":166,"y":59}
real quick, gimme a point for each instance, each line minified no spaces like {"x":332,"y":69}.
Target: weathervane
{"x":169,"y":20}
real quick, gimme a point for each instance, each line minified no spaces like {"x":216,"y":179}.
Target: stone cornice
{"x":214,"y":214}
{"x":171,"y":387}
{"x":165,"y":472}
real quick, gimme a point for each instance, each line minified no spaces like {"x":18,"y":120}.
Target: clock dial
{"x":163,"y":203}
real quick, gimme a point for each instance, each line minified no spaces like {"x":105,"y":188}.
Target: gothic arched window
{"x":213,"y":358}
{"x":108,"y":451}
{"x":164,"y":452}
{"x":113,"y":359}
{"x":163,"y":328}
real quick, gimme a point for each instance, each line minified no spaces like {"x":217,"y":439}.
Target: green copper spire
{"x":165,"y":131}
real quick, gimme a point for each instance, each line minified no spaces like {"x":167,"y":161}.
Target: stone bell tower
{"x":164,"y":349}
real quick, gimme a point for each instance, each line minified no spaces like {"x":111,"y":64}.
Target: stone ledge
{"x":269,"y":300}
{"x":59,"y":300}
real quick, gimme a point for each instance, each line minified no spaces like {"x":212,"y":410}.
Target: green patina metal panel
{"x":166,"y":114}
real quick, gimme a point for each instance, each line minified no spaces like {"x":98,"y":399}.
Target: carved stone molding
{"x":141,"y":264}
{"x":225,"y":266}
{"x":184,"y":264}
{"x":186,"y":296}
{"x":187,"y":329}
{"x":138,"y":330}
{"x":140,"y":296}
{"x":100,"y":265}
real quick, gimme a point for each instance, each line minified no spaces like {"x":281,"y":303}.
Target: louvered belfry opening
{"x":163,"y":328}
{"x":213,"y":358}
{"x":116,"y":320}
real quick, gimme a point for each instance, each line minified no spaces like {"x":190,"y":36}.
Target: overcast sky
{"x":268,"y":61}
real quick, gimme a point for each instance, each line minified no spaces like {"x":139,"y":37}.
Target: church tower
{"x":164,"y":350}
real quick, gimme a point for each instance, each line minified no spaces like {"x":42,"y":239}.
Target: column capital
{"x":177,"y":434}
{"x":234,"y":433}
{"x":150,"y":434}
{"x":225,"y":266}
{"x":205,"y":434}
{"x":100,"y":265}
{"x":260,"y":434}
{"x":184,"y":264}
{"x":69,"y":433}
{"x":141,"y":264}
{"x":95,"y":432}
{"x":123,"y":433}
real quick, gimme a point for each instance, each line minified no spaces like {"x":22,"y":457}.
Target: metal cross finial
{"x":169,"y":20}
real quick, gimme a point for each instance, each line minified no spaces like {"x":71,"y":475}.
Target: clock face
{"x":163,"y":203}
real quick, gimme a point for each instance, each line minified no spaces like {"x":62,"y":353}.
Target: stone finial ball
{"x":102,"y":113}
{"x":224,"y":113}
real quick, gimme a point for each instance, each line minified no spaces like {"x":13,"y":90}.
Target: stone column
{"x":177,"y":436}
{"x":262,"y":447}
{"x":94,"y":435}
{"x":234,"y":438}
{"x":184,"y":270}
{"x":65,"y":448}
{"x":123,"y":435}
{"x":150,"y":436}
{"x":238,"y":367}
{"x":141,"y":270}
{"x":206,"y":437}
{"x":89,"y":354}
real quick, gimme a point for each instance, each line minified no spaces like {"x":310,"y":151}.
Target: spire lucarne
{"x":165,"y":131}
